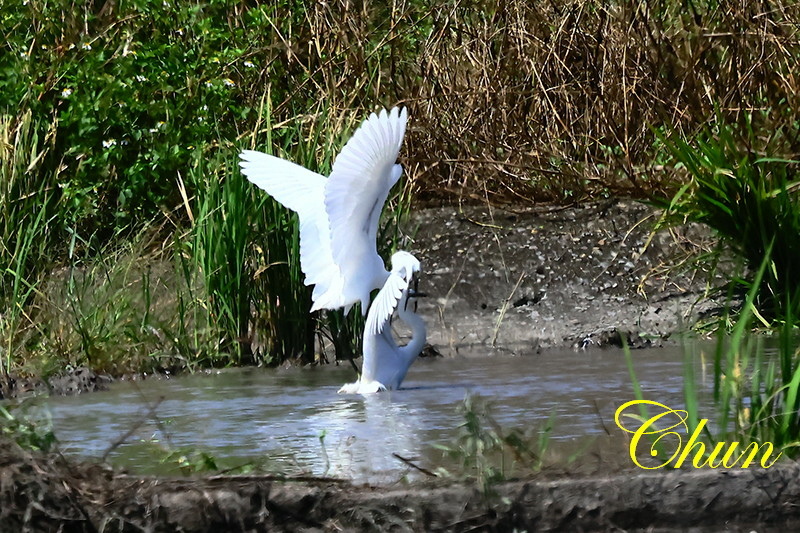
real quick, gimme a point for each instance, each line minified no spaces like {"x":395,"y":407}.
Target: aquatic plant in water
{"x":487,"y":453}
{"x":756,"y":392}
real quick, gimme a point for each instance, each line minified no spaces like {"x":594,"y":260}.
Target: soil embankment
{"x":540,"y":278}
{"x":47,"y":493}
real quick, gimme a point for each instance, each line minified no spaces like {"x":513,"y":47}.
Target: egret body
{"x":338,"y":219}
{"x":385,"y":364}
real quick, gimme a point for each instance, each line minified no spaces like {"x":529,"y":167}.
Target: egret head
{"x":405,"y":265}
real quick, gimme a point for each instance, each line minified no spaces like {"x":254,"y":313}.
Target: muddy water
{"x":294,"y":420}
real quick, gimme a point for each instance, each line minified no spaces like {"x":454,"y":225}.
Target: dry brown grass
{"x":546,"y":100}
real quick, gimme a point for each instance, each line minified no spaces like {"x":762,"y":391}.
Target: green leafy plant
{"x":487,"y":453}
{"x":28,"y":425}
{"x":757,"y":396}
{"x":756,"y":392}
{"x":751,"y":201}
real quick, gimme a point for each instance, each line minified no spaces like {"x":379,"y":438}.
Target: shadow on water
{"x":295,"y":422}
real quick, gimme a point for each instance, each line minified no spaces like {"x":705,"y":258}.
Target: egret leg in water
{"x":339,"y":218}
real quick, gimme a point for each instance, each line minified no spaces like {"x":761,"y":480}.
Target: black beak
{"x":413,"y":292}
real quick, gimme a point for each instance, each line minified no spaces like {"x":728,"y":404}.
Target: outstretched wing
{"x":290,"y":184}
{"x":339,"y":216}
{"x":384,"y":304}
{"x":302,"y":191}
{"x":360,"y":180}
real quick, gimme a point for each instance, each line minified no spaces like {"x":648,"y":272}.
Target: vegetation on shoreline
{"x":749,"y":198}
{"x":739,"y":187}
{"x":130,"y":242}
{"x":754,"y":395}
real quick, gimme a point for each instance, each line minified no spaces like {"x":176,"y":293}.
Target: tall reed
{"x":756,"y":390}
{"x":221,"y":236}
{"x":28,"y":220}
{"x":282,"y":327}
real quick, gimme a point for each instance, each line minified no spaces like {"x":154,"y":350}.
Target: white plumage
{"x":385,"y":363}
{"x":339,"y":218}
{"x":339,"y":215}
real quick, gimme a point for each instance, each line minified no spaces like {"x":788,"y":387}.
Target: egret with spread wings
{"x":339,"y":217}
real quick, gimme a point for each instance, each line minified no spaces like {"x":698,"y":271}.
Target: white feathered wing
{"x":339,"y":216}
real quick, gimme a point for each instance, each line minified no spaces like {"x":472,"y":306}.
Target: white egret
{"x":338,"y":231}
{"x":385,"y":364}
{"x":339,"y":215}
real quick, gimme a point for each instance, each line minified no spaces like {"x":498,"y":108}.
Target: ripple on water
{"x":295,"y":418}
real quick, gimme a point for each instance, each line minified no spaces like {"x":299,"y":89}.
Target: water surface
{"x":295,"y":420}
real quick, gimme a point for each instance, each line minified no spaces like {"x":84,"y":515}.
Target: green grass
{"x":221,"y":235}
{"x":750,"y":199}
{"x":29,"y":425}
{"x":755,"y":397}
{"x":132,"y":88}
{"x":281,"y":300}
{"x":486,"y":453}
{"x":757,"y":394}
{"x":29,"y":228}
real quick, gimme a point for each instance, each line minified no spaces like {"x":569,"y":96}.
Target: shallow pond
{"x":295,"y":420}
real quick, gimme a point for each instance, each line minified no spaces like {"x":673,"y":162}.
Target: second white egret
{"x":385,"y":364}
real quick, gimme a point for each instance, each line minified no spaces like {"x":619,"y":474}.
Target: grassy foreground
{"x":130,"y":242}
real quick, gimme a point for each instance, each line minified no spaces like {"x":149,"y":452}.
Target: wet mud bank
{"x":590,"y":275}
{"x":72,"y":381}
{"x":48,"y":493}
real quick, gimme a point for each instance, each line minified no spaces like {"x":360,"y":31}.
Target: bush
{"x":516,"y":101}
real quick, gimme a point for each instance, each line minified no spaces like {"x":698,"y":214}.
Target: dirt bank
{"x":48,"y":493}
{"x":556,"y":276}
